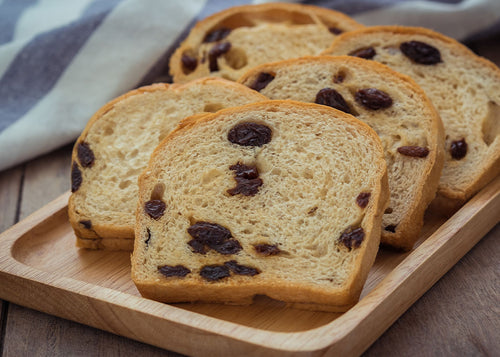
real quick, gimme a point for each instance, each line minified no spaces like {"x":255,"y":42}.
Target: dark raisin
{"x":231,"y":246}
{"x":247,"y":180}
{"x":249,"y":134}
{"x":87,"y":224}
{"x":217,"y":35}
{"x":208,"y":233}
{"x":352,"y":238}
{"x":262,"y":81}
{"x":189,"y":63}
{"x":390,"y":228}
{"x":178,"y":270}
{"x":197,"y":246}
{"x":214,"y":272}
{"x":365,"y":52}
{"x":335,"y":30}
{"x":373,"y":98}
{"x":155,"y":208}
{"x":149,"y":236}
{"x":413,"y":151}
{"x":363,"y":199}
{"x":241,"y":269}
{"x":458,"y":149}
{"x":332,"y":98}
{"x":85,"y":155}
{"x":420,"y":52}
{"x":76,"y":177}
{"x":215,"y":52}
{"x":267,"y":249}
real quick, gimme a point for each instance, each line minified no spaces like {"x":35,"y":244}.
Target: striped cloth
{"x":60,"y":61}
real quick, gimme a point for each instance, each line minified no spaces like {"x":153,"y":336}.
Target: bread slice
{"x":464,"y":88}
{"x":230,"y":42}
{"x":115,"y":147}
{"x":261,"y":199}
{"x":404,"y":119}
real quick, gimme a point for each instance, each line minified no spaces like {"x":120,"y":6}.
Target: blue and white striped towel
{"x":60,"y":60}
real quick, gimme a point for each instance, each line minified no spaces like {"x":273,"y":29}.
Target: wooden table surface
{"x":458,"y":316}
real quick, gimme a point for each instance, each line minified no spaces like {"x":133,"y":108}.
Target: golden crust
{"x":250,"y":15}
{"x":449,"y":197}
{"x":409,"y":227}
{"x":241,"y":289}
{"x":108,"y":235}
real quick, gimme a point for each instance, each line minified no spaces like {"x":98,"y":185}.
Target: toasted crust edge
{"x":409,"y":228}
{"x":195,"y":37}
{"x":100,"y":234}
{"x":447,"y":199}
{"x":295,"y":294}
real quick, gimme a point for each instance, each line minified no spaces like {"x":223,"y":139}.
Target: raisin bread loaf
{"x":393,"y":105}
{"x":228,"y":43}
{"x":464,"y":88}
{"x":115,"y":147}
{"x":278,"y":198}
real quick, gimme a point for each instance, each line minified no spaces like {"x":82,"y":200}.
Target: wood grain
{"x":459,"y":316}
{"x":10,"y":183}
{"x":29,"y":332}
{"x":40,"y":271}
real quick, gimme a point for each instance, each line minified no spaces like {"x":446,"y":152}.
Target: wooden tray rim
{"x":334,"y":336}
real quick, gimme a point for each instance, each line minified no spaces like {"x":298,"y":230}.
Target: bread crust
{"x":426,"y":181}
{"x":241,"y":289}
{"x":119,"y":235}
{"x":450,"y":195}
{"x":250,"y":15}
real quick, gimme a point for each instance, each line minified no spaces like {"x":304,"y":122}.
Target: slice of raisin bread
{"x":464,"y":88}
{"x":115,"y":147}
{"x":279,"y":198}
{"x":230,"y":42}
{"x":393,"y":105}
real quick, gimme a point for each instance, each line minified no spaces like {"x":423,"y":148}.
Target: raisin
{"x":214,"y":272}
{"x":365,"y":52}
{"x":363,"y":199}
{"x":85,"y":155}
{"x":335,"y":30}
{"x":267,"y":249}
{"x":87,"y":224}
{"x":390,"y":228}
{"x":458,"y":149}
{"x":215,"y":52}
{"x":149,"y":236}
{"x":352,"y":238}
{"x":231,"y":246}
{"x":262,"y":81}
{"x":420,"y":52}
{"x":241,"y":269}
{"x":373,"y":98}
{"x":209,"y":233}
{"x":217,"y":35}
{"x":178,"y":270}
{"x":247,"y":180}
{"x":155,"y":208}
{"x":249,"y":134}
{"x":190,"y":63}
{"x":413,"y":151}
{"x":76,"y":177}
{"x":332,"y":98}
{"x":197,"y":246}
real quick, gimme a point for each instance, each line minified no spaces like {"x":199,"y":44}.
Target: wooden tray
{"x":40,"y":268}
